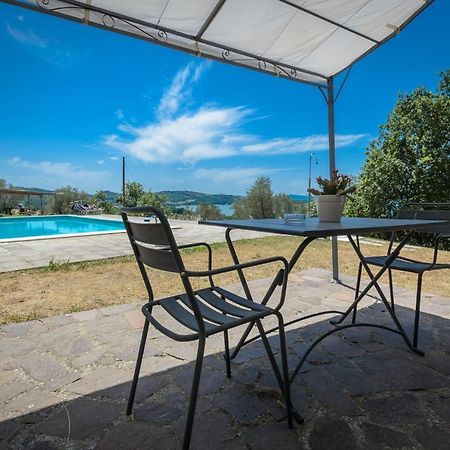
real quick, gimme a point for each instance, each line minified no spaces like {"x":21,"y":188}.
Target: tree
{"x":207,"y":211}
{"x":133,"y":192}
{"x":258,"y":203}
{"x":136,"y":195}
{"x":283,"y":204}
{"x":410,"y":160}
{"x":62,"y":202}
{"x":7,"y":201}
{"x":100,"y":198}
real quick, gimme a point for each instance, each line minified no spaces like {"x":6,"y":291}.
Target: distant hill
{"x":191,"y":197}
{"x":175,"y":198}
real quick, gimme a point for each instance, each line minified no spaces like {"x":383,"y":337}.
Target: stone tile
{"x":272,"y":435}
{"x":83,"y":316}
{"x":440,"y":405}
{"x":401,"y":374}
{"x":31,"y":401}
{"x":8,"y":429}
{"x":241,"y":404}
{"x":330,"y":394}
{"x":8,"y":391}
{"x":94,"y":356}
{"x":332,"y":433}
{"x":432,"y":437}
{"x":353,"y":380}
{"x":401,"y":409}
{"x":384,"y":437}
{"x":99,"y":379}
{"x":87,"y":418}
{"x":161,"y":413}
{"x":7,"y":376}
{"x":133,"y":435}
{"x":211,"y":380}
{"x":436,"y":360}
{"x":42,"y":366}
{"x":135,"y":319}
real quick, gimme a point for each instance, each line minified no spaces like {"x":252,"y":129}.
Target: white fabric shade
{"x":305,"y":40}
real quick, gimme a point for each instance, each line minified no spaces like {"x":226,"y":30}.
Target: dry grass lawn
{"x":38,"y":293}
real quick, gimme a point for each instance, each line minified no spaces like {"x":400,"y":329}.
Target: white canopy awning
{"x":304,"y":40}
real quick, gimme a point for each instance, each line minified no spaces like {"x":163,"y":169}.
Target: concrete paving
{"x":38,"y":253}
{"x":64,"y":381}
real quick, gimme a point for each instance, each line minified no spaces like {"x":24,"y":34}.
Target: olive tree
{"x":410,"y":159}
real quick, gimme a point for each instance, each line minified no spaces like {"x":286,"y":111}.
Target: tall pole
{"x":309,"y":183}
{"x":123,"y":181}
{"x":332,"y":160}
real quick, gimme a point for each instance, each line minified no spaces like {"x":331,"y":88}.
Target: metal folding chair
{"x":201,"y":313}
{"x":430,"y":211}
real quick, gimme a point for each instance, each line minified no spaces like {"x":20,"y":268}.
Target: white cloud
{"x":180,"y":89}
{"x":28,"y":37}
{"x":63,"y":172}
{"x":100,"y":162}
{"x":113,"y":158}
{"x":315,"y":142}
{"x":208,"y":132}
{"x":187,"y":138}
{"x":246,"y":174}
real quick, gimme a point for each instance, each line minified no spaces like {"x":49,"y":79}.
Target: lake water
{"x":226,"y":210}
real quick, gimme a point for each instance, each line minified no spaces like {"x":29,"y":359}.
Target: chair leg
{"x":282,"y":378}
{"x":194,"y":394}
{"x":285,"y":370}
{"x":358,"y":285}
{"x":137,"y":368}
{"x":417,"y":315}
{"x":227,"y":353}
{"x":391,"y":289}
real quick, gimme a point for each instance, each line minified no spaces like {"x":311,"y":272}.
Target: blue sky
{"x":75,"y":99}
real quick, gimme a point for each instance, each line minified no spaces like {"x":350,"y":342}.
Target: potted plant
{"x":331,"y":199}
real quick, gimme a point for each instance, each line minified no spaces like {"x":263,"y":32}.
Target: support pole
{"x":123,"y":181}
{"x":332,"y":160}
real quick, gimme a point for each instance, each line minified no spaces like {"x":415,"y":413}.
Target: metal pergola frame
{"x":28,"y":193}
{"x":160,"y":35}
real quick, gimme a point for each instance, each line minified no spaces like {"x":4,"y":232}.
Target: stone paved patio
{"x":38,"y":253}
{"x":64,"y":382}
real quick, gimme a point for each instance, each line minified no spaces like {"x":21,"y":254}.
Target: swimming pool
{"x":55,"y":226}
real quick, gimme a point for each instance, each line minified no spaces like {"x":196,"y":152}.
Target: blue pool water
{"x":18,"y":227}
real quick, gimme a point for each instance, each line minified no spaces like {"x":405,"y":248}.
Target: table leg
{"x":295,"y":257}
{"x":373,"y":283}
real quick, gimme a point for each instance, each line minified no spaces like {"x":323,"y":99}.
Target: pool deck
{"x":35,"y":253}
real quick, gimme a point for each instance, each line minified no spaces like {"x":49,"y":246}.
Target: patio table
{"x":311,"y":229}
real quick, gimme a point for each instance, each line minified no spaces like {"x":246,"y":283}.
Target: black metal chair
{"x":204,"y":312}
{"x":430,"y":211}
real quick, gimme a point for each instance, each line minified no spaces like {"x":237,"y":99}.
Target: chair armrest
{"x":259,"y":262}
{"x":280,"y":279}
{"x":201,"y":244}
{"x":436,"y":246}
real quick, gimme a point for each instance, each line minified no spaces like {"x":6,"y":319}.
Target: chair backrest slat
{"x":153,"y":242}
{"x":149,"y":233}
{"x":428,"y":211}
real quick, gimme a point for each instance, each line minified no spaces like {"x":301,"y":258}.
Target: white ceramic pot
{"x":330,"y":207}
